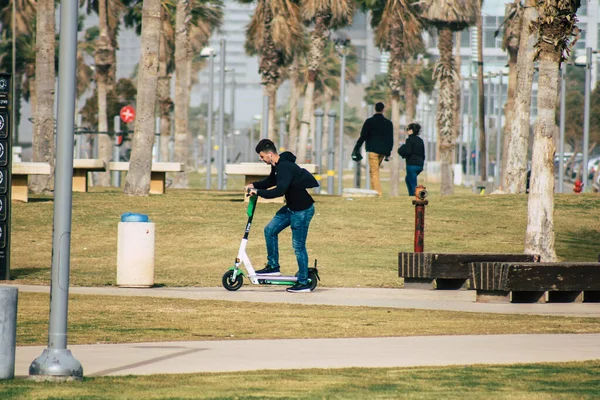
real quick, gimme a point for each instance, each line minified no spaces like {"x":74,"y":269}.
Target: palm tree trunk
{"x":457,"y":110}
{"x":180,"y":179}
{"x":294,"y":97}
{"x":271,"y":91}
{"x":104,"y":61}
{"x":509,"y":111}
{"x":164,"y":101}
{"x":138,"y":178}
{"x":305,"y":121}
{"x":539,"y":238}
{"x":482,"y":145}
{"x":446,"y":75}
{"x":43,"y":137}
{"x":318,"y":39}
{"x":516,"y":167}
{"x":395,"y":167}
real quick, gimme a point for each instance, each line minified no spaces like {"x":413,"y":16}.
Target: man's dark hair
{"x":416,"y":128}
{"x":379,"y":107}
{"x":266,"y":145}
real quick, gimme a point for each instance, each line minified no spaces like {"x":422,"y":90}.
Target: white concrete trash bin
{"x":135,"y":251}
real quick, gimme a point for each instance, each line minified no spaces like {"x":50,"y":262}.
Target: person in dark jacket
{"x":413,"y":151}
{"x":378,"y":134}
{"x":291,"y":181}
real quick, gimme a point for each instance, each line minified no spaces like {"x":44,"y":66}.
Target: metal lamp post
{"x":56,"y":361}
{"x":221,"y":125}
{"x":209,"y":53}
{"x":341,"y":44}
{"x":561,"y":141}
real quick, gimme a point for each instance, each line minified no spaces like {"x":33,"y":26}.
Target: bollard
{"x":420,"y":202}
{"x":8,"y":331}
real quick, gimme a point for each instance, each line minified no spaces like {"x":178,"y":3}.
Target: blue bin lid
{"x":133,"y":217}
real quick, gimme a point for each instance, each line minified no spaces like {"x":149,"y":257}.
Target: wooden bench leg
{"x":591,"y":296}
{"x":80,"y":180}
{"x":19,"y":188}
{"x":451,"y":284}
{"x":527,"y":297}
{"x":492,"y":296}
{"x":157,"y":182}
{"x":564,"y":297}
{"x":418,"y":283}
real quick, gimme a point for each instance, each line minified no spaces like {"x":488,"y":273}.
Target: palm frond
{"x":454,"y":14}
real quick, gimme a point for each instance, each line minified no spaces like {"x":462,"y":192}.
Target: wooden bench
{"x":20,"y":174}
{"x":81,"y":169}
{"x":158,"y":174}
{"x":522,"y":282}
{"x":253,"y":172}
{"x":445,"y":271}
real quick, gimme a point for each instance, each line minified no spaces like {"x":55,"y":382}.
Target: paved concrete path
{"x":244,"y":355}
{"x":394,"y":298}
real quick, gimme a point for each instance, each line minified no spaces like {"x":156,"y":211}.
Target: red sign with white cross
{"x":127,"y":114}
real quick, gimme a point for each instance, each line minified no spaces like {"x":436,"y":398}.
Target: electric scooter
{"x":233,"y":279}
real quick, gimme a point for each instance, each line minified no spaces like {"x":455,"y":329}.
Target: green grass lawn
{"x":526,"y":381}
{"x":117,"y":319}
{"x":355,"y":240}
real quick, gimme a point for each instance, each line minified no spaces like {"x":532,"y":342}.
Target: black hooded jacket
{"x":290,"y":180}
{"x":378,"y":133}
{"x":413,"y":151}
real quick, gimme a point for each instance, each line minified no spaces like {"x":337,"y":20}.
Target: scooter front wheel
{"x":230,"y":283}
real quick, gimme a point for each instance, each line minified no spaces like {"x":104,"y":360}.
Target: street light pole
{"x":56,"y":361}
{"x":342,"y":102}
{"x":209,"y":124}
{"x":220,"y":144}
{"x":561,"y":141}
{"x":499,"y":130}
{"x":488,"y":115}
{"x":469,"y":130}
{"x":586,"y":113}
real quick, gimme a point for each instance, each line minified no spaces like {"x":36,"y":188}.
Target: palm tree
{"x":556,"y":26}
{"x":447,"y":16}
{"x":512,"y":30}
{"x":397,"y":31}
{"x":138,"y":178}
{"x":24,"y":38}
{"x":323,"y":15}
{"x":515,"y":178}
{"x":180,"y":180}
{"x":43,"y":136}
{"x":277,"y":35}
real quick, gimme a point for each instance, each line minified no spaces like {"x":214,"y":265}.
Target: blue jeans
{"x":411,"y":178}
{"x":299,"y":221}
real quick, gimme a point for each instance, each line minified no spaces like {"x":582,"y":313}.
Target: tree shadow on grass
{"x":584,"y":242}
{"x":22,"y":273}
{"x":40,"y":199}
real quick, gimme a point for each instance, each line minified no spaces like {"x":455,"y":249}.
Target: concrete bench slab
{"x":158,"y":174}
{"x":20,"y":176}
{"x":81,"y":169}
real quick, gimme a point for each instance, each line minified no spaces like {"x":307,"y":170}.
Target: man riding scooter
{"x":291,"y":181}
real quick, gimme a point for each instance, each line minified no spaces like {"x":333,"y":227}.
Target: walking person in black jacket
{"x":414,"y":153}
{"x":378,"y":133}
{"x":290,"y":181}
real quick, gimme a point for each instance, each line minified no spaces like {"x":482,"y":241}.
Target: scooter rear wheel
{"x":230,"y":284}
{"x":312,"y":275}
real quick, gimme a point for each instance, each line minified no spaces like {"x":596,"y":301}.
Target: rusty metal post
{"x":420,"y":202}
